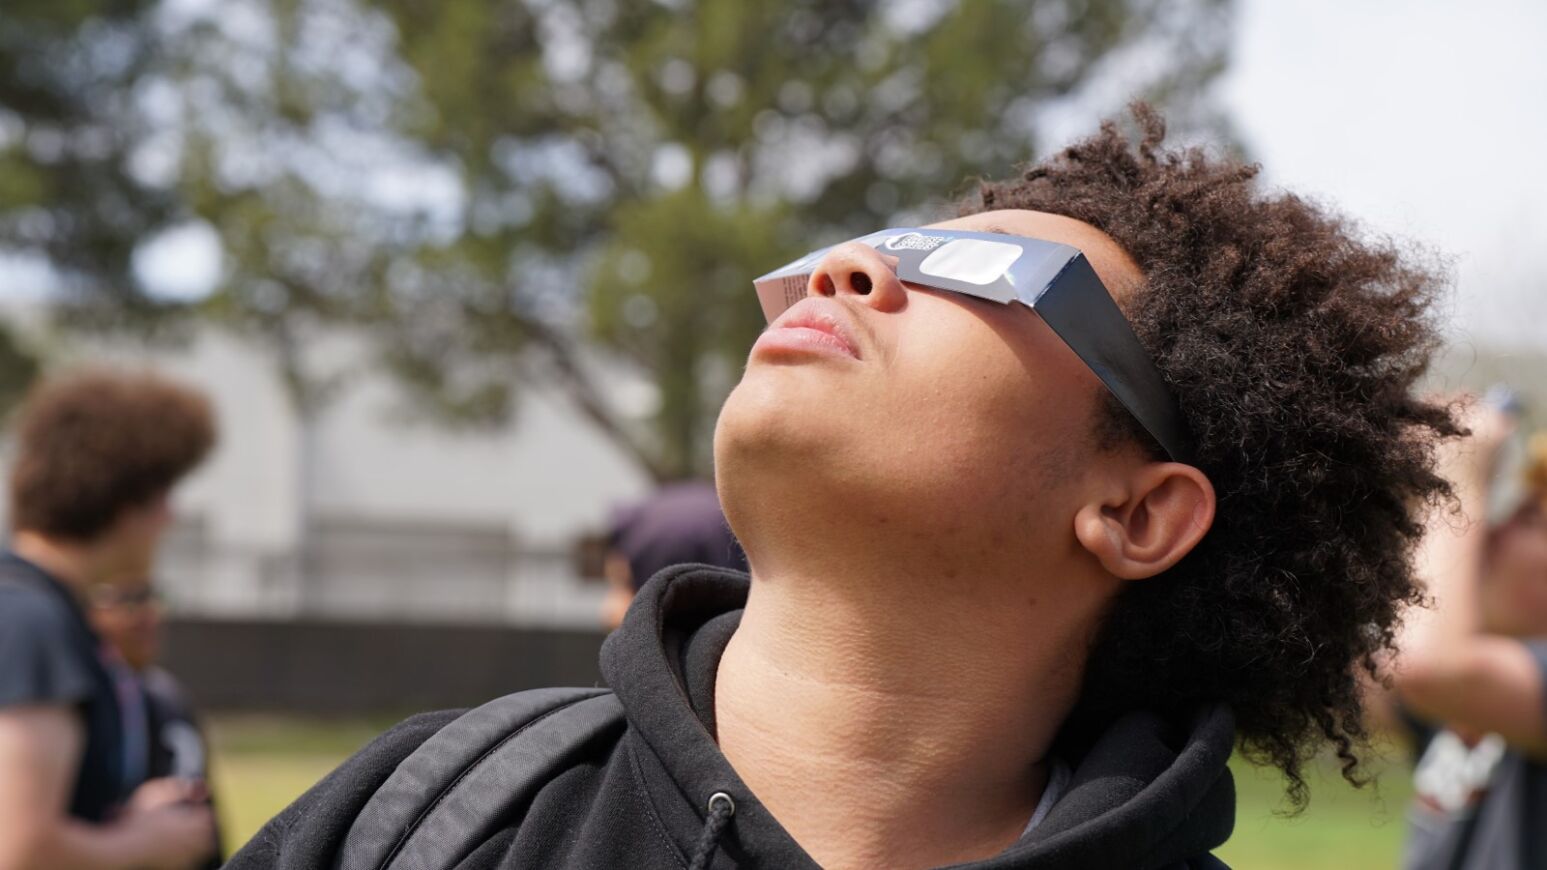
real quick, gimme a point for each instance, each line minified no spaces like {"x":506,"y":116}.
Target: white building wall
{"x":359,"y":514}
{"x":244,"y":504}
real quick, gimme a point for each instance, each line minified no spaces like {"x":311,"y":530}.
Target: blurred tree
{"x":693,"y":144}
{"x":68,"y":130}
{"x":18,"y":369}
{"x":480,"y":187}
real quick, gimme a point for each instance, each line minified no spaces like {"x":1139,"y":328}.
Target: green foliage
{"x":18,"y":369}
{"x":681,"y":148}
{"x":672,"y":290}
{"x":609,"y":172}
{"x":67,"y":131}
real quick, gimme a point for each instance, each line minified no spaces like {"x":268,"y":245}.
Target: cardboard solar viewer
{"x":1053,"y":279}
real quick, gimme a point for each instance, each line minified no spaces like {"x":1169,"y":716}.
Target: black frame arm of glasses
{"x":1077,"y":306}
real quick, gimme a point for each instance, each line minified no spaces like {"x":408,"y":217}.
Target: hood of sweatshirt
{"x":1148,"y":793}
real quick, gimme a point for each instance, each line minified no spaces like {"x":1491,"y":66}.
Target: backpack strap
{"x":453,"y":791}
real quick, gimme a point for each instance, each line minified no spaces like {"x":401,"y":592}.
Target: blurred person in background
{"x":1471,"y":674}
{"x":128,"y":616}
{"x":95,"y":457}
{"x":678,"y":524}
{"x":997,"y":616}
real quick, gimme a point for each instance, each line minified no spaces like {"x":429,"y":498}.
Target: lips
{"x":814,"y":325}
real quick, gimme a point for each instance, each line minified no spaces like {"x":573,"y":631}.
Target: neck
{"x":893,"y":713}
{"x":75,"y":565}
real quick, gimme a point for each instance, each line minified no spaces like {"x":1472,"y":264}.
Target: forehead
{"x":1116,"y":269}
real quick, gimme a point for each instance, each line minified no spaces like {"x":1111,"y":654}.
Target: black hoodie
{"x":1147,"y":794}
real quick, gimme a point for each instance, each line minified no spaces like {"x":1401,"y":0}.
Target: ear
{"x":134,"y":522}
{"x":153,"y":513}
{"x":1149,"y":523}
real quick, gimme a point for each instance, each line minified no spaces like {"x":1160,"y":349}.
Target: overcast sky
{"x":1425,"y":118}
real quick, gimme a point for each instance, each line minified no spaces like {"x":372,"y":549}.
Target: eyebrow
{"x":999,"y":230}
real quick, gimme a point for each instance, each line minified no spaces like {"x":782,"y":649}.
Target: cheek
{"x":993,"y":431}
{"x":969,"y":392}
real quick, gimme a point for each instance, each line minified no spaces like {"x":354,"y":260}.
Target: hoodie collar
{"x":1149,"y":792}
{"x":661,"y":664}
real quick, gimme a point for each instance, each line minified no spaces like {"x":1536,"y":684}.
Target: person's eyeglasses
{"x":109,"y":596}
{"x":1051,"y":278}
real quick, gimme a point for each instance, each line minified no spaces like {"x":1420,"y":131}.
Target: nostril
{"x":860,"y":282}
{"x":824,"y":286}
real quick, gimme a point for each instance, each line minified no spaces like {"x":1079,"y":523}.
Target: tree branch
{"x":579,"y":386}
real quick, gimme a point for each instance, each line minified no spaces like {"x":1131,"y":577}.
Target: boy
{"x":1045,"y":507}
{"x":96,"y":456}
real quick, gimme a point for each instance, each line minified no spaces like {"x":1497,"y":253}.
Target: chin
{"x":768,"y":420}
{"x":778,"y":446}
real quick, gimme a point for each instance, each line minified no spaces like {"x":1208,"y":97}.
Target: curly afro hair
{"x":1293,"y":346}
{"x":96,"y":442}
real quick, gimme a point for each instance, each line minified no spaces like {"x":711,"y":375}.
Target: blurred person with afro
{"x":95,"y":457}
{"x":1471,"y":674}
{"x":993,"y":618}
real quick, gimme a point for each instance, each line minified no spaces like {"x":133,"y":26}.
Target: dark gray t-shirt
{"x":1478,"y":807}
{"x":50,"y":656}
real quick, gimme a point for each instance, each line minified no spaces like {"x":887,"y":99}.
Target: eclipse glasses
{"x":1053,"y":279}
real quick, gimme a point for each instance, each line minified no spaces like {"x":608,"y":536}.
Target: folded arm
{"x":40,"y":751}
{"x":1449,"y":669}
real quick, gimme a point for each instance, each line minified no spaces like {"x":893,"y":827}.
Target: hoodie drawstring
{"x":721,"y":808}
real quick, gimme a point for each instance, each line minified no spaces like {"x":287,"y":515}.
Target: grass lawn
{"x":263,"y":763}
{"x":1342,"y":826}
